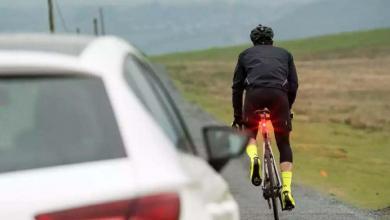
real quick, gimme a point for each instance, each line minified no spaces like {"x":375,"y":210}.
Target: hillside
{"x":341,"y":131}
{"x":369,"y":43}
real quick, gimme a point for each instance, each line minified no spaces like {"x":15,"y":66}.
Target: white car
{"x":87,"y":131}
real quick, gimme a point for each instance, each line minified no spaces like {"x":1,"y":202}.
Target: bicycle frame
{"x":267,"y":151}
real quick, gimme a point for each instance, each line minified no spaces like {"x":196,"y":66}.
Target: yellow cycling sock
{"x":251,"y":150}
{"x":286,"y":179}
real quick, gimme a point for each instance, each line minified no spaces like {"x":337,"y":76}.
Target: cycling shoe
{"x":255,"y":171}
{"x":288,"y":202}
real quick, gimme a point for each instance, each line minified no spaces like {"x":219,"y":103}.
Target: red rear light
{"x":159,"y":207}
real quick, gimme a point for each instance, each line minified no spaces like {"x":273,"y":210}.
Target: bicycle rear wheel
{"x":271,"y":175}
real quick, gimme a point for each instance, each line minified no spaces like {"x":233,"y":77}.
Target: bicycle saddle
{"x":262,"y":111}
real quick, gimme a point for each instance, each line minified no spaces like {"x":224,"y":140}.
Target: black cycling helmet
{"x":262,"y":35}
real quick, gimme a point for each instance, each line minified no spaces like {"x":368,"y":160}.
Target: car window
{"x":137,"y":74}
{"x":49,"y":121}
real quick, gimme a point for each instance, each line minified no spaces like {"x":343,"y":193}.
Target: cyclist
{"x":268,"y":76}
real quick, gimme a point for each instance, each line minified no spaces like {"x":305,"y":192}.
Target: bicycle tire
{"x":271,"y":175}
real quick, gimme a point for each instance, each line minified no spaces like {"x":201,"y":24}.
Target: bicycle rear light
{"x":157,"y":207}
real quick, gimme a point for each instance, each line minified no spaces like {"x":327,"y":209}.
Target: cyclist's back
{"x":266,"y":66}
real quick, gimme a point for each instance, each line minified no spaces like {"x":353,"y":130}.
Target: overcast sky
{"x":196,"y":26}
{"x":32,"y":3}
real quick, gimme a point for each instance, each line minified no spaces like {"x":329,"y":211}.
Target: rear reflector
{"x":158,"y":207}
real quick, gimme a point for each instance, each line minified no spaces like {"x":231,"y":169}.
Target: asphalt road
{"x":310,"y":204}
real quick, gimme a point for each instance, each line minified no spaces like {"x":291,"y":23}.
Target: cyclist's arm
{"x":292,"y":81}
{"x":238,"y":88}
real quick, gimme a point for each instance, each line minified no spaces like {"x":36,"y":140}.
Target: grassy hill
{"x":357,"y":44}
{"x":341,"y":135}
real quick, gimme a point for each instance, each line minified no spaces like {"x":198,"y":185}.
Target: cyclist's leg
{"x":285,"y":151}
{"x":251,"y":122}
{"x":252,"y":152}
{"x":286,"y":165}
{"x":280,"y":116}
{"x":251,"y":125}
{"x":252,"y":128}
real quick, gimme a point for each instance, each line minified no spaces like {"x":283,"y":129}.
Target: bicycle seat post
{"x":264,"y":116}
{"x":263,"y":124}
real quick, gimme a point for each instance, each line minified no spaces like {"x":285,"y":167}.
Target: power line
{"x":58,"y":9}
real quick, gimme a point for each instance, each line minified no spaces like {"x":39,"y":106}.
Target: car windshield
{"x":50,"y":121}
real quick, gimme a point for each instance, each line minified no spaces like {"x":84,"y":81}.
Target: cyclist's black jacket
{"x":264,"y":66}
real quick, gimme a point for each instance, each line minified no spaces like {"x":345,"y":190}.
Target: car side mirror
{"x":222,"y":144}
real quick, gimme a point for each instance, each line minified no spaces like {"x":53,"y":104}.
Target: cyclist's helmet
{"x":262,"y":34}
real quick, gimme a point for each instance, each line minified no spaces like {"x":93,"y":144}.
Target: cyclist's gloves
{"x":237,"y":123}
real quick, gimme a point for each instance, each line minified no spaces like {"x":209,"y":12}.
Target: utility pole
{"x":102,"y":29}
{"x":51,"y":16}
{"x":95,"y":27}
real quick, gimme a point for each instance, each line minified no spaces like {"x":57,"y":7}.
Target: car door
{"x":207,"y":183}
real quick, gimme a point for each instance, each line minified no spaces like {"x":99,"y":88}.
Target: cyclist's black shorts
{"x":276,"y":101}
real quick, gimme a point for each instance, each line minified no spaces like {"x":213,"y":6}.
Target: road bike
{"x":271,"y":184}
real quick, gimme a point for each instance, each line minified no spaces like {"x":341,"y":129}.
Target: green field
{"x":341,"y":136}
